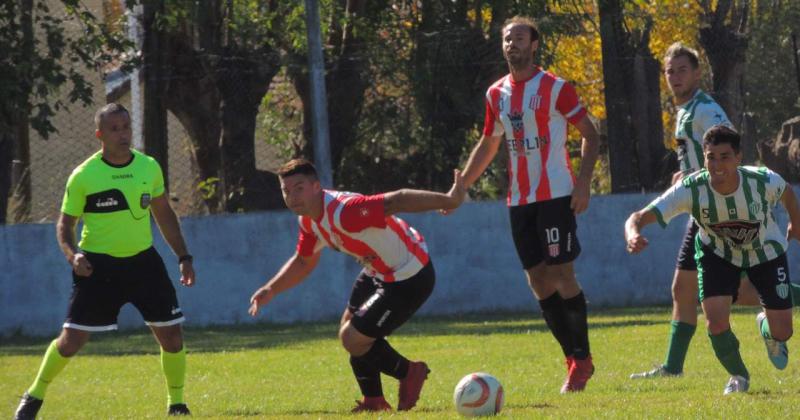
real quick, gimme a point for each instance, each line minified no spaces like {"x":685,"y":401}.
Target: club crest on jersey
{"x":782,"y":290}
{"x":535,"y":101}
{"x":516,"y":121}
{"x":144,"y":200}
{"x":737,"y":232}
{"x":754,"y":207}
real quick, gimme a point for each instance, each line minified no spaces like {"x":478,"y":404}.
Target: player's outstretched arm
{"x":635,"y":241}
{"x":590,"y":148}
{"x":414,"y":201}
{"x":293,"y":272}
{"x":170,"y":227}
{"x":65,"y":233}
{"x":789,"y":200}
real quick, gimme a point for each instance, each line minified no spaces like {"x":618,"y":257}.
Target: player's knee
{"x":71,"y":341}
{"x":172,"y":344}
{"x":684,"y":291}
{"x":716,"y":327}
{"x":354,"y":342}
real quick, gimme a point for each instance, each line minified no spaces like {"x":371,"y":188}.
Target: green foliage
{"x":771,"y":81}
{"x":40,"y":57}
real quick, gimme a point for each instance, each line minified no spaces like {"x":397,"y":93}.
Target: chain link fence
{"x":393,"y":137}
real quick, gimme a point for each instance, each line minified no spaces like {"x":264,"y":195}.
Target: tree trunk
{"x":243,"y":80}
{"x":345,"y":82}
{"x":156,"y":74}
{"x":617,"y":75}
{"x":20,"y":190}
{"x":725,"y":43}
{"x":6,"y":153}
{"x":648,"y":127}
{"x":193,"y":98}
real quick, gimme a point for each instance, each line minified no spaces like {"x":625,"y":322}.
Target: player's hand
{"x":792,"y":233}
{"x":636,"y":243}
{"x":580,"y":197}
{"x":457,"y":192}
{"x":260,"y":298}
{"x":676,"y":177}
{"x":187,"y":273}
{"x":81,"y":265}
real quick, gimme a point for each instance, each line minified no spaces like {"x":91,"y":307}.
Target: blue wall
{"x":476,"y":265}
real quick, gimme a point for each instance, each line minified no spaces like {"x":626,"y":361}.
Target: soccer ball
{"x":478,"y":394}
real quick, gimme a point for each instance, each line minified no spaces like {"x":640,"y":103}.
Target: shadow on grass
{"x":262,"y":336}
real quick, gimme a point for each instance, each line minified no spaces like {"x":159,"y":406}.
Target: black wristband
{"x":187,"y":257}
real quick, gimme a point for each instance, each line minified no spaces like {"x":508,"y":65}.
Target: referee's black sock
{"x":387,"y":359}
{"x":367,"y":376}
{"x":555,"y":315}
{"x":576,"y":319}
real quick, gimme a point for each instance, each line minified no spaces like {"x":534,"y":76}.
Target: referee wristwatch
{"x":186,"y":257}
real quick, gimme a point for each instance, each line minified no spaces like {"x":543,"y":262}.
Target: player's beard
{"x":522,"y":61}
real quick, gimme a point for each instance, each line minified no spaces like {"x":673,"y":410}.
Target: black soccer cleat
{"x":28,"y":407}
{"x":179,"y":410}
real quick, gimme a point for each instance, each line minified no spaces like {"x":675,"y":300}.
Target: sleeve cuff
{"x":659,"y":216}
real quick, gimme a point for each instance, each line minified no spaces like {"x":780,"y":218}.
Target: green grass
{"x":300,"y":371}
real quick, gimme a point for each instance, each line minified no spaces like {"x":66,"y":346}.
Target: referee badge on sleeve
{"x":144,"y":200}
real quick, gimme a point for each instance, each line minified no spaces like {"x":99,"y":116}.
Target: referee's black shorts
{"x":141,"y":280}
{"x":379,"y":308}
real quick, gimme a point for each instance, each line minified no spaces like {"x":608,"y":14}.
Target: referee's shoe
{"x":28,"y":407}
{"x":179,"y":410}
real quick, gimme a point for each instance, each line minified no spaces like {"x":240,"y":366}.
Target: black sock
{"x":387,"y":359}
{"x":367,"y":376}
{"x":555,"y":315}
{"x":576,"y":319}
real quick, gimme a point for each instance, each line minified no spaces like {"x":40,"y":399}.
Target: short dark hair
{"x":524,"y":21}
{"x":678,"y":49}
{"x":721,"y":134}
{"x":110,"y":109}
{"x":297,"y":166}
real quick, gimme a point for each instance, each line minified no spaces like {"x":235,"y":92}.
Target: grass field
{"x":300,"y":371}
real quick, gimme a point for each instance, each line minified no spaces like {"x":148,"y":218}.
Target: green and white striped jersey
{"x":739,"y":227}
{"x":694,"y":118}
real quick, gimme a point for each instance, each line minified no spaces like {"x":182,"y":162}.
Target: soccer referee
{"x":114,"y":191}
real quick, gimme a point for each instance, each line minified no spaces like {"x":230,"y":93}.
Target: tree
{"x":631,"y":75}
{"x":723,"y":35}
{"x":346,"y":79}
{"x":221,"y":58}
{"x":39,"y":58}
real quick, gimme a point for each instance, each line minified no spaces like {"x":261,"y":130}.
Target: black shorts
{"x":141,"y":280}
{"x":686,"y":259}
{"x":717,"y":277}
{"x":379,"y":308}
{"x":545,"y":231}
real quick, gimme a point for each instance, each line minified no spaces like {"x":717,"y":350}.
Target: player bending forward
{"x":397,"y":278}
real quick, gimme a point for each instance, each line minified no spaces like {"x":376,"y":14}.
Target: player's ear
{"x":98,"y":134}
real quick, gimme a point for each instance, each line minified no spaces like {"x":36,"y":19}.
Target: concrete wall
{"x":476,"y":264}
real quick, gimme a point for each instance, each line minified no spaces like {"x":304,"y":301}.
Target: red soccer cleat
{"x":579,"y":373}
{"x":411,"y":385}
{"x":368,"y":404}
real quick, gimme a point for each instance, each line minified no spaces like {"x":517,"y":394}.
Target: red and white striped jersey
{"x":533,"y":114}
{"x":387,"y":247}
